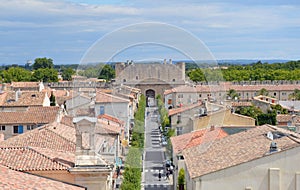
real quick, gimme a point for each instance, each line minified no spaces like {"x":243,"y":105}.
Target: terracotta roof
{"x":287,"y":118}
{"x":236,"y":149}
{"x":26,"y":98}
{"x":103,"y":128}
{"x":184,"y":141}
{"x":241,"y":104}
{"x":111,"y":118}
{"x":27,"y":159}
{"x":16,"y":180}
{"x":226,"y":86}
{"x":108,"y":98}
{"x":67,"y":120}
{"x":25,"y":84}
{"x":175,"y":111}
{"x":34,"y":115}
{"x":54,"y":137}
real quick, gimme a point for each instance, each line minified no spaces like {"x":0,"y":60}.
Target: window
{"x":137,"y":77}
{"x":102,"y":110}
{"x":30,"y":127}
{"x":124,"y":80}
{"x":2,"y":128}
{"x":173,"y":80}
{"x":284,"y":93}
{"x":178,"y":118}
{"x":179,"y":130}
{"x":274,"y":93}
{"x":200,"y":95}
{"x":180,"y":95}
{"x":16,"y":129}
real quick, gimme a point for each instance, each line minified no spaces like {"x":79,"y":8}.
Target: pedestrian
{"x":118,"y":171}
{"x":159,"y":176}
{"x":167,"y":174}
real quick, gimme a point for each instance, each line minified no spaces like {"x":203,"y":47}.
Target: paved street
{"x":154,"y":155}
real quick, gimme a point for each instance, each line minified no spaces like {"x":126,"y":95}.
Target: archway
{"x":150,"y":94}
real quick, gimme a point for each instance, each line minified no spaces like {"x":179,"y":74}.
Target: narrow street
{"x":154,"y":155}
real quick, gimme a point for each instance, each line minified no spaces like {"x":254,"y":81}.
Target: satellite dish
{"x":270,"y":135}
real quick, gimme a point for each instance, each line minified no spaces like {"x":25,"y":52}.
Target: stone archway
{"x":150,"y":93}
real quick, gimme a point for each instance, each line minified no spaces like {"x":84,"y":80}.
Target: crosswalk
{"x":156,"y":186}
{"x":154,"y":171}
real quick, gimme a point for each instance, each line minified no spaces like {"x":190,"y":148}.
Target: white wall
{"x":255,"y":174}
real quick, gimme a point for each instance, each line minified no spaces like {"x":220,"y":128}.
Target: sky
{"x":66,"y":30}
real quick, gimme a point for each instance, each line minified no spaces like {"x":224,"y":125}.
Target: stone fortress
{"x":151,"y":78}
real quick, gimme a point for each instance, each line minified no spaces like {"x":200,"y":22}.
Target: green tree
{"x":263,"y":92}
{"x":107,"y":73}
{"x":181,"y":179}
{"x":295,"y":95}
{"x":16,"y":74}
{"x":232,"y":94}
{"x":67,"y":73}
{"x":196,"y":75}
{"x":52,"y":100}
{"x":42,"y":63}
{"x":45,"y":75}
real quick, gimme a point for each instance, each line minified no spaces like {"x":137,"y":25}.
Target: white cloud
{"x":215,"y":23}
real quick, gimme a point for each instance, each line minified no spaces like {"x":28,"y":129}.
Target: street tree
{"x":295,"y":95}
{"x":181,"y":179}
{"x":263,"y":92}
{"x":232,"y":94}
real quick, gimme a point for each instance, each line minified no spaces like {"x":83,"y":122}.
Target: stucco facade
{"x":278,"y":171}
{"x":223,"y":118}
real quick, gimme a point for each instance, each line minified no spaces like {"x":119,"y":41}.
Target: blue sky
{"x":65,"y":30}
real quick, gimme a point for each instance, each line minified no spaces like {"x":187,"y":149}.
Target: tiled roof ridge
{"x":291,"y":135}
{"x":46,"y":128}
{"x":243,"y":116}
{"x":37,"y":152}
{"x":112,"y":96}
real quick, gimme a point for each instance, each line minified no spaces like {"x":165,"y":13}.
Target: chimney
{"x":18,"y":95}
{"x":165,"y":61}
{"x":273,"y":147}
{"x":212,"y":127}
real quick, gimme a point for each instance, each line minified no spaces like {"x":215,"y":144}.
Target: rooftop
{"x":33,"y":115}
{"x":16,"y":180}
{"x":102,"y":97}
{"x":25,"y":98}
{"x":175,"y":111}
{"x":236,"y":149}
{"x":225,"y":86}
{"x":181,"y":142}
{"x":25,"y":84}
{"x":27,"y":159}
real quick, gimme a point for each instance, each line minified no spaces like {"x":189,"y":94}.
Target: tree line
{"x":133,"y":165}
{"x":252,"y":72}
{"x":43,"y":69}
